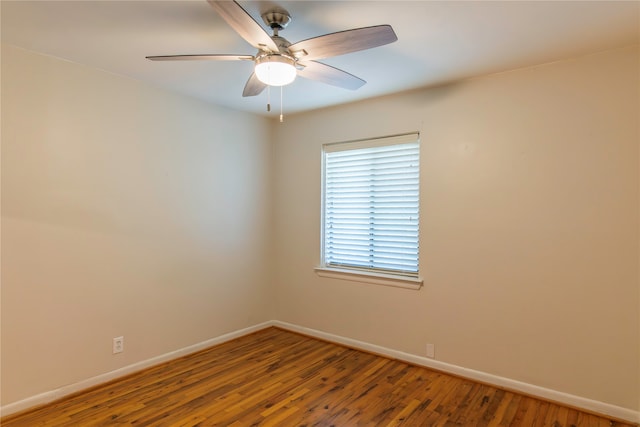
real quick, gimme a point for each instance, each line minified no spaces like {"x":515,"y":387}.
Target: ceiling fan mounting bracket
{"x":276,"y":19}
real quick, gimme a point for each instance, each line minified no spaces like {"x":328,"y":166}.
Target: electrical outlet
{"x":431,"y":351}
{"x":118,"y":345}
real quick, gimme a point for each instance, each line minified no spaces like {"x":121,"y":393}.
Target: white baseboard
{"x":505,"y":383}
{"x":49,"y":396}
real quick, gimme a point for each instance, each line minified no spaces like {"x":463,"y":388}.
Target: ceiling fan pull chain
{"x":268,"y":98}
{"x":281,"y":90}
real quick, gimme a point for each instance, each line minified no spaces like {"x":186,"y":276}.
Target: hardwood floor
{"x":278,"y":378}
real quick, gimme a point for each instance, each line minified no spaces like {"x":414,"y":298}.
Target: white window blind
{"x":371,"y":205}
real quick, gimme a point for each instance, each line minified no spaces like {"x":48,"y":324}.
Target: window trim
{"x":355,"y":274}
{"x":362,"y":276}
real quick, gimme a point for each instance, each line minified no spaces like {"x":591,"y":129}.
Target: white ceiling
{"x":438,"y":41}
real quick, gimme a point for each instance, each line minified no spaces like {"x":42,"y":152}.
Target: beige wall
{"x":126,"y":210}
{"x":529,"y":228}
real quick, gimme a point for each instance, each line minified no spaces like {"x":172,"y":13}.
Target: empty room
{"x":320,"y":213}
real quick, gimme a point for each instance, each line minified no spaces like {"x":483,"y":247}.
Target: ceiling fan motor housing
{"x":283,"y":45}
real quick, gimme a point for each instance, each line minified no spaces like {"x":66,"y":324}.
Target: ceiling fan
{"x":278,"y":62}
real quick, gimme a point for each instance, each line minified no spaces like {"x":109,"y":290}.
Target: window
{"x":371,"y":210}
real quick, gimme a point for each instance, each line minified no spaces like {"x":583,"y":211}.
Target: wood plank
{"x":279,"y":378}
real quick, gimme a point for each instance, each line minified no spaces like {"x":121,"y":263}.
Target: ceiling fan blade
{"x":342,"y":42}
{"x":253,"y":87}
{"x":244,"y":24}
{"x":327,"y":74}
{"x":213,"y":57}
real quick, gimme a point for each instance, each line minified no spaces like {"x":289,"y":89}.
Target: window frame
{"x":363,"y":274}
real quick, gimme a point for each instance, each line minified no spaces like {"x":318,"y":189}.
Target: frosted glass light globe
{"x":275,"y":70}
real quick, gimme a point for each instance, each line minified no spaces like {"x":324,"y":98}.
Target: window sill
{"x":414,"y":283}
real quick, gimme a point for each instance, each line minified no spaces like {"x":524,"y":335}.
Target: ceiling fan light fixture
{"x":275,"y":69}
